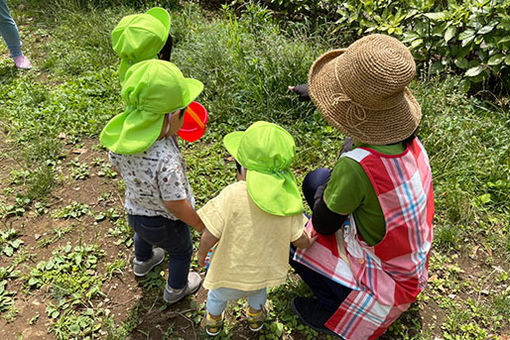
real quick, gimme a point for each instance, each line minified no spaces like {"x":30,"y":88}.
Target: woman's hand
{"x":301,"y":91}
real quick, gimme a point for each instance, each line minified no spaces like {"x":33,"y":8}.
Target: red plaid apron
{"x":385,"y":278}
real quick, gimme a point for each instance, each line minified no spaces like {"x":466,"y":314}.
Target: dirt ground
{"x":123,"y":293}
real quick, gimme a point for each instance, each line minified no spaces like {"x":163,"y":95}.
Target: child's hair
{"x":239,"y":168}
{"x":166,"y":51}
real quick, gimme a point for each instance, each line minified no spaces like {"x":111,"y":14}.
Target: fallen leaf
{"x":62,"y":135}
{"x":79,"y":151}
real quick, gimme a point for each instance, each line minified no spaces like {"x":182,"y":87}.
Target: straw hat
{"x":267,"y":150}
{"x":362,"y":90}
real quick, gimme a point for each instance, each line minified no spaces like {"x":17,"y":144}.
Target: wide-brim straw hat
{"x":362,"y":90}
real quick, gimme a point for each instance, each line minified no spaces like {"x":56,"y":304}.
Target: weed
{"x":8,"y":273}
{"x":74,"y":210}
{"x":41,"y":208}
{"x":5,"y":296}
{"x":58,"y":233}
{"x":111,"y":214}
{"x":10,"y":314}
{"x":9,"y":243}
{"x":18,"y":208}
{"x":123,"y":232}
{"x":79,"y":170}
{"x":115,"y":267}
{"x":107,"y":171}
{"x":153,"y":280}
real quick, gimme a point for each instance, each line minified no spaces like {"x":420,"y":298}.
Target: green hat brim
{"x":195,"y":87}
{"x":232,"y":141}
{"x":277,"y":194}
{"x":126,"y":134}
{"x":162,"y":15}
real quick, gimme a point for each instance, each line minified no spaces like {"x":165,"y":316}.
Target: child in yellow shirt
{"x":253,"y":222}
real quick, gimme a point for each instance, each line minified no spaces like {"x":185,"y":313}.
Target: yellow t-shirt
{"x":253,"y":247}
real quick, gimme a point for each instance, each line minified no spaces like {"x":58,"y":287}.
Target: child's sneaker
{"x":256,"y":321}
{"x":212,"y":326}
{"x":142,"y":268}
{"x":173,"y":295}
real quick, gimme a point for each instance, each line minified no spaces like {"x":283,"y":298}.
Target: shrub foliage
{"x":470,"y":38}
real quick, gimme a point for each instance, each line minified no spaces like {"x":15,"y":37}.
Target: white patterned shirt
{"x":153,"y":176}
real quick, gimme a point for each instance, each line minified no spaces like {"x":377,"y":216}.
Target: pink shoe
{"x":22,"y":62}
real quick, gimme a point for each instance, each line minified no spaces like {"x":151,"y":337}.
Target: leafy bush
{"x":470,"y":38}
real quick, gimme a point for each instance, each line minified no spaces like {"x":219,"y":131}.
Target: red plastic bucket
{"x":195,"y":120}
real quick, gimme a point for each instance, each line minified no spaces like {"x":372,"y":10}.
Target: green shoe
{"x":256,"y":321}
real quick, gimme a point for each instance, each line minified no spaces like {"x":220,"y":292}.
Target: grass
{"x":246,"y":63}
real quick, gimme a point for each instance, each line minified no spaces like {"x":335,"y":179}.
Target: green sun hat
{"x":140,"y":37}
{"x":152,"y":88}
{"x":267,"y":150}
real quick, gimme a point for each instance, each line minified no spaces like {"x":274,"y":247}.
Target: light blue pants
{"x":217,"y":298}
{"x":9,"y":30}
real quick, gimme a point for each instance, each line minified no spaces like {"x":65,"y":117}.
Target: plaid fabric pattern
{"x":392,"y":273}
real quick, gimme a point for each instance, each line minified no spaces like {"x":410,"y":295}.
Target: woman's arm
{"x":324,"y":220}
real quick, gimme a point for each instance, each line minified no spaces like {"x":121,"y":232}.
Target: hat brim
{"x":162,"y":15}
{"x":195,"y":87}
{"x":232,"y":141}
{"x":387,"y":126}
{"x":124,"y":134}
{"x":275,"y":194}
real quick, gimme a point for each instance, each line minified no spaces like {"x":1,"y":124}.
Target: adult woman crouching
{"x":373,"y":213}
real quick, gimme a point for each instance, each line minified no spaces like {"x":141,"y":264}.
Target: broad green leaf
{"x":466,"y":34}
{"x":465,"y":85}
{"x":437,"y":16}
{"x":468,"y":40}
{"x":417,"y":43}
{"x":486,"y":29}
{"x":485,"y":198}
{"x":474,"y":71}
{"x":507,"y":59}
{"x":33,"y":281}
{"x":74,"y":328}
{"x":16,"y":243}
{"x":503,"y":40}
{"x":437,"y":67}
{"x":8,"y":251}
{"x":450,"y":33}
{"x":496,"y":59}
{"x":462,"y":63}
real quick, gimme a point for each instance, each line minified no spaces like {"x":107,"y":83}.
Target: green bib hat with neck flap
{"x":266,"y":151}
{"x":152,"y":89}
{"x":140,"y":37}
